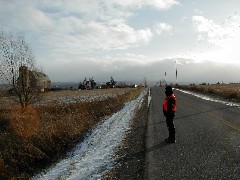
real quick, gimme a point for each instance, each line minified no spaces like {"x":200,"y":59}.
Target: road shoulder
{"x":130,"y":164}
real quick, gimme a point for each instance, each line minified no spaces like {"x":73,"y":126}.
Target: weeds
{"x":33,"y":138}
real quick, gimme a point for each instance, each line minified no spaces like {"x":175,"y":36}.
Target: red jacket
{"x":169,"y":105}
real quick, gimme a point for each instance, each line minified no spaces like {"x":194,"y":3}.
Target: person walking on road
{"x":169,"y":108}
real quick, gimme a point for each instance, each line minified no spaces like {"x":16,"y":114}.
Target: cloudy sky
{"x":130,"y":39}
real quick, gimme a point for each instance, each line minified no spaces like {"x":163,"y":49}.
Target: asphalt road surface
{"x":207,"y":135}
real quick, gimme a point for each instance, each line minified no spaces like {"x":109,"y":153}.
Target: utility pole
{"x":165,"y":77}
{"x":176,"y":72}
{"x":145,"y":82}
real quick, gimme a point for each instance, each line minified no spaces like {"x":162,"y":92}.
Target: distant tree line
{"x":87,"y":84}
{"x":91,"y":84}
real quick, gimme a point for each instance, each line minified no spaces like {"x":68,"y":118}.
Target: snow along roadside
{"x":149,"y":97}
{"x":96,"y":154}
{"x":209,"y":98}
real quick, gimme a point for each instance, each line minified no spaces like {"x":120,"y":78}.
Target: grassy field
{"x":32,"y":139}
{"x":229,"y":91}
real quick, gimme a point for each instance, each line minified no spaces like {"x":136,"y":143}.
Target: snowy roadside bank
{"x":96,"y":154}
{"x":209,"y":98}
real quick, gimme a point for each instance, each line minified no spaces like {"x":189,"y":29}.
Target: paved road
{"x":207,"y":135}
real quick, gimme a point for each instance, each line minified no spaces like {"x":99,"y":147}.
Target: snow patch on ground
{"x":76,"y":97}
{"x":96,"y":154}
{"x":209,"y":98}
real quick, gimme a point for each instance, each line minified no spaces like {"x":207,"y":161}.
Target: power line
{"x":225,"y":36}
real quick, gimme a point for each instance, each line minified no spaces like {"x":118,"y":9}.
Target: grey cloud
{"x":188,"y":72}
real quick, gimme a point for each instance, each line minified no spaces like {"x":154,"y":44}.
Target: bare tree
{"x":16,"y":61}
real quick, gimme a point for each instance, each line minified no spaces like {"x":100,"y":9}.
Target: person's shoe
{"x":170,"y":140}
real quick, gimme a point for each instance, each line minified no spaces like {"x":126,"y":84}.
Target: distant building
{"x":33,"y":79}
{"x":87,"y":84}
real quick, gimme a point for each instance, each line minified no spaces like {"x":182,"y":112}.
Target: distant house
{"x":34,"y":79}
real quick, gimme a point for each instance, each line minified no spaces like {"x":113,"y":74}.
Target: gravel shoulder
{"x":130,"y":164}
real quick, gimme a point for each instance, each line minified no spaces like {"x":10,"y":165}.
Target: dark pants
{"x":171,"y":128}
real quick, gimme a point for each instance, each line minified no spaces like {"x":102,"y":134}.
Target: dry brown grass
{"x":3,"y":168}
{"x":2,"y":94}
{"x":229,"y":91}
{"x":32,"y":138}
{"x":24,"y":122}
